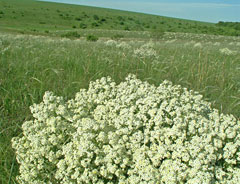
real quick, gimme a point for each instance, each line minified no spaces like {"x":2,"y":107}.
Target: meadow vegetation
{"x":52,"y":52}
{"x":36,"y":17}
{"x":131,"y":132}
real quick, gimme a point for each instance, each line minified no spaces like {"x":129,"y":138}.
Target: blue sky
{"x":202,"y":10}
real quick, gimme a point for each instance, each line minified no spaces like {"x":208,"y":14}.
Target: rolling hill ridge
{"x":28,"y":16}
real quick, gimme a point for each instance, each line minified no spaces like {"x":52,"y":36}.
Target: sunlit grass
{"x":31,"y":65}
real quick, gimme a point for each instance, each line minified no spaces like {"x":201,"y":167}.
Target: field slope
{"x":44,"y":47}
{"x":28,"y":16}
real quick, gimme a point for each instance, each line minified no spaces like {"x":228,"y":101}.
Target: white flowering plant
{"x":132,"y":132}
{"x":123,"y":45}
{"x":111,"y":43}
{"x":146,"y":51}
{"x":227,"y":51}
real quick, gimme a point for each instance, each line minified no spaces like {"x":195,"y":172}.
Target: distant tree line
{"x":234,"y":25}
{"x":233,"y":28}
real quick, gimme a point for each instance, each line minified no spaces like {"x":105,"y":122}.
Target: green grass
{"x":31,"y":65}
{"x":35,"y":17}
{"x":42,"y":60}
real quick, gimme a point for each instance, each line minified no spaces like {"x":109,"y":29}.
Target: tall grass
{"x":31,"y":65}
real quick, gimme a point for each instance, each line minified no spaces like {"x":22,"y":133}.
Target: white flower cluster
{"x":123,"y":45}
{"x":146,"y":51}
{"x":216,"y":44}
{"x":130,"y":133}
{"x":198,"y":45}
{"x":227,"y":51}
{"x":119,"y":45}
{"x":110,"y":43}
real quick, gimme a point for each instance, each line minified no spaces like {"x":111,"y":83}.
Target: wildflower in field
{"x":65,"y":39}
{"x":123,"y":45}
{"x":148,"y":45}
{"x":111,"y":43}
{"x":3,"y":50}
{"x":198,"y":45}
{"x":227,"y":51}
{"x":132,"y":132}
{"x":146,"y":51}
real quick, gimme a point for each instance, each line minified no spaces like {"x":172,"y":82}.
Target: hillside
{"x":28,"y":16}
{"x":36,"y":56}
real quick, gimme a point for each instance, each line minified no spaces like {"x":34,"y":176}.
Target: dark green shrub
{"x":73,"y":34}
{"x":85,"y":15}
{"x":83,"y":26}
{"x":120,"y":18}
{"x":154,"y":27}
{"x":95,"y":24}
{"x":147,"y":26}
{"x":92,"y":38}
{"x":78,"y":19}
{"x":95,"y":17}
{"x":130,"y":18}
{"x":103,"y":19}
{"x":126,"y":28}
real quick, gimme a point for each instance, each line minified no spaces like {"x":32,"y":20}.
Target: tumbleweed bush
{"x":132,"y":132}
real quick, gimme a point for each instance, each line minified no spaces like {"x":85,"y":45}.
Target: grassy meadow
{"x":60,"y":59}
{"x":36,"y":17}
